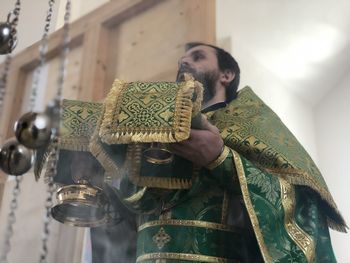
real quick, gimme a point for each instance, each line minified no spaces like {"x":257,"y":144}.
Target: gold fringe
{"x":111,"y":103}
{"x":183,"y":111}
{"x":95,"y":147}
{"x":133,"y":160}
{"x":76,"y":144}
{"x":197,"y":104}
{"x":166,"y":183}
{"x":39,"y":165}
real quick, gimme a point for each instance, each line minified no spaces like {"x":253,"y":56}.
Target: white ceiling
{"x":304,"y":43}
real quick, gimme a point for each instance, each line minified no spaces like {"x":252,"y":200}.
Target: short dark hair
{"x":225,"y":61}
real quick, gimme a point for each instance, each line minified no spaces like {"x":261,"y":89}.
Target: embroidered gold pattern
{"x":149,"y":111}
{"x":161,"y":238}
{"x":250,"y":209}
{"x":78,"y":124}
{"x":183,"y":256}
{"x":191,"y":223}
{"x":300,"y":237}
{"x":220,"y":159}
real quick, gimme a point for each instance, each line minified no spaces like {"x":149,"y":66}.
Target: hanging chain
{"x":14,"y":22}
{"x":36,"y":78}
{"x":42,"y":53}
{"x":16,"y":190}
{"x":3,"y":79}
{"x":65,"y":50}
{"x":52,"y":169}
{"x":54,"y":155}
{"x":7,"y":63}
{"x":16,"y":12}
{"x":11,"y":219}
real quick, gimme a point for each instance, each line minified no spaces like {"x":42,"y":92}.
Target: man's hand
{"x":202,"y":147}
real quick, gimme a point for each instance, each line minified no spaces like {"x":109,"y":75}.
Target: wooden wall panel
{"x":48,"y":81}
{"x":147,"y":47}
{"x":72,"y":77}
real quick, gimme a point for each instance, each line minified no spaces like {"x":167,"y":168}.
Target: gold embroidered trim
{"x":74,"y":144}
{"x":191,"y":223}
{"x":294,"y":176}
{"x":182,"y":117}
{"x":221,"y":158}
{"x":183,"y":256}
{"x":250,"y":208}
{"x":224,"y":212}
{"x":299,"y":236}
{"x":133,"y":159}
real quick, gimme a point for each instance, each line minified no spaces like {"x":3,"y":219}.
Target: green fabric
{"x":265,"y":195}
{"x":307,"y":215}
{"x":268,"y":152}
{"x":252,"y":129}
{"x":264,"y":190}
{"x":192,"y":240}
{"x":204,"y":203}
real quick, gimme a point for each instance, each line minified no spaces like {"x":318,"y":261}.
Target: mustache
{"x":184,"y":69}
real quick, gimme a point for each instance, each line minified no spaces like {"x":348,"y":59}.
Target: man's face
{"x":201,"y":61}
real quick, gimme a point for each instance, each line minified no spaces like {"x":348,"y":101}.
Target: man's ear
{"x":226,"y":77}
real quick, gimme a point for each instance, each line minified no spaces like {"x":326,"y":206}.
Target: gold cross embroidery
{"x":161,"y":238}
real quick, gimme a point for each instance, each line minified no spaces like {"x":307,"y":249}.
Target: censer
{"x":79,"y":201}
{"x":80,"y":205}
{"x":82,"y":199}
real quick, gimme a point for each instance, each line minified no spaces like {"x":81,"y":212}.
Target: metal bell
{"x":8,"y":39}
{"x":15,"y":159}
{"x":33,"y":130}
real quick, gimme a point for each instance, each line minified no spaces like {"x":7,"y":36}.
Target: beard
{"x":208,"y":80}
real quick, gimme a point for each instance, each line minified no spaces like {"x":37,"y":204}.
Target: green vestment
{"x":186,"y":216}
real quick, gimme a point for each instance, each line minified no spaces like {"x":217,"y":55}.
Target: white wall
{"x":321,"y":130}
{"x":293,"y":111}
{"x":332,"y":115}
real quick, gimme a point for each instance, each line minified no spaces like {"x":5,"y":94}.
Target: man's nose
{"x":184,"y":61}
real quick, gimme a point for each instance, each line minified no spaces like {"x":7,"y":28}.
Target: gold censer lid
{"x":81,"y":205}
